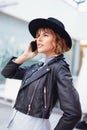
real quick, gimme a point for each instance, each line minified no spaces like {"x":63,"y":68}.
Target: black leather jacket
{"x":40,"y":91}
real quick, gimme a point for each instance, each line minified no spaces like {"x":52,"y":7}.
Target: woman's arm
{"x":12,"y":69}
{"x":28,"y":54}
{"x":69,"y":100}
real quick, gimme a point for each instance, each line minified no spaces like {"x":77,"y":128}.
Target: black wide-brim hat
{"x":52,"y":23}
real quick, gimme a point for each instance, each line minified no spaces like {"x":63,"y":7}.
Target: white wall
{"x":74,"y":21}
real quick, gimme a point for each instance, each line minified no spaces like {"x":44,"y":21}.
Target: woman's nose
{"x":39,"y":38}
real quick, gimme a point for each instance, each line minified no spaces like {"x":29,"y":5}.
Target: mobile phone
{"x":33,"y":46}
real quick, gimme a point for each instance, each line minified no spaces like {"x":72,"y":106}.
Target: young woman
{"x":44,"y":84}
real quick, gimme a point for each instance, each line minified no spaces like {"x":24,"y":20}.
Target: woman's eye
{"x":45,"y":34}
{"x":37,"y":36}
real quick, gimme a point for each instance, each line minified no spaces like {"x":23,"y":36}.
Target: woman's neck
{"x":50,"y":58}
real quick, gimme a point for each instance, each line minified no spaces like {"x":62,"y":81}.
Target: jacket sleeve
{"x":12,"y":70}
{"x":68,"y":99}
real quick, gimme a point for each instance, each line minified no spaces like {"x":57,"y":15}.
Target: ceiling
{"x":80,"y":5}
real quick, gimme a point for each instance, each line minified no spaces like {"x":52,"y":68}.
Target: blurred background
{"x":14,"y":35}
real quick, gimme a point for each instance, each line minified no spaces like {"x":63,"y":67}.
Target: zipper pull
{"x":29,"y":108}
{"x":45,"y":97}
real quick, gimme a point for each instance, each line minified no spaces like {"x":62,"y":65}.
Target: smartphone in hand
{"x":33,"y":46}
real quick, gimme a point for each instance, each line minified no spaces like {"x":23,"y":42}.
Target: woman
{"x":44,"y":84}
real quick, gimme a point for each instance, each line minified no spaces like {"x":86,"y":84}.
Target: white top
{"x":21,"y":121}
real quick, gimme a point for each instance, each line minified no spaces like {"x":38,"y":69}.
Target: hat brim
{"x":35,"y":24}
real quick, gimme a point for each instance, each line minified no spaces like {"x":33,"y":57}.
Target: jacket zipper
{"x":45,"y":102}
{"x":33,"y":94}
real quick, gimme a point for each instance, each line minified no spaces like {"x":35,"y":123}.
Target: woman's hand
{"x":28,"y":54}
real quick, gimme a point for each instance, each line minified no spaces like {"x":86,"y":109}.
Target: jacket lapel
{"x":45,"y":69}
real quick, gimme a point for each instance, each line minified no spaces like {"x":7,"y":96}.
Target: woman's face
{"x":46,"y":41}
